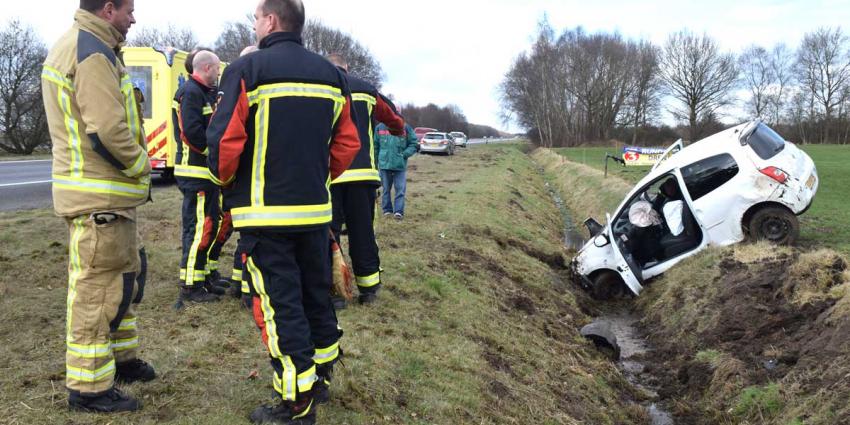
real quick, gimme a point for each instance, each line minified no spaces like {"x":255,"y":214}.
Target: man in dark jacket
{"x":194,"y":104}
{"x":353,"y":192}
{"x":282,"y":131}
{"x":393,"y":153}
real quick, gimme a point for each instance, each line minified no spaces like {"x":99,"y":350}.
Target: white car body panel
{"x":720,"y":212}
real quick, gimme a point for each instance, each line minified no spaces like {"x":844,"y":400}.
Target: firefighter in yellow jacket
{"x":101,"y":173}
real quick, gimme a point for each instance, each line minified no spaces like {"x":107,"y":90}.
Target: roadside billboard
{"x":636,"y":156}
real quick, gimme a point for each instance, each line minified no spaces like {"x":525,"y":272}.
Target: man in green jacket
{"x":393,"y":152}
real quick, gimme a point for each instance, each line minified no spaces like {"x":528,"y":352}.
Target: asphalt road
{"x":25,"y":185}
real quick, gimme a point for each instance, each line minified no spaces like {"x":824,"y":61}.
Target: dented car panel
{"x":723,"y":179}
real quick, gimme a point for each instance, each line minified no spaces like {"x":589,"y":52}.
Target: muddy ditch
{"x":615,"y":329}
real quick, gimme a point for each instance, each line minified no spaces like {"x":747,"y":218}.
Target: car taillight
{"x":444,"y":142}
{"x":775,"y":173}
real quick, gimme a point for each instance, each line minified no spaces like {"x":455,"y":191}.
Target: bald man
{"x":200,"y":216}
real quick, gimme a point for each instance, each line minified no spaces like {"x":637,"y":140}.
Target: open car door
{"x":628,"y":269}
{"x":672,"y":149}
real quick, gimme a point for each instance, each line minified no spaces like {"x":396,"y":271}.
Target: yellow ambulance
{"x":158,"y":74}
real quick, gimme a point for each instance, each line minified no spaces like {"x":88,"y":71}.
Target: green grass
{"x":825,"y":224}
{"x":472,"y":327}
{"x":758,"y":402}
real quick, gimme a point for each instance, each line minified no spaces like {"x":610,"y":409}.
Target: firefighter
{"x":355,"y":191}
{"x":283,"y":130}
{"x":193,"y":107}
{"x":101,"y":173}
{"x":239,"y":280}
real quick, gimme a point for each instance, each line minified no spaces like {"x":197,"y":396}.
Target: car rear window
{"x":765,"y":142}
{"x":434,"y":136}
{"x":704,"y":176}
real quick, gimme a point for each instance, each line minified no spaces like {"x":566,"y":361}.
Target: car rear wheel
{"x":776,"y":225}
{"x":607,"y":285}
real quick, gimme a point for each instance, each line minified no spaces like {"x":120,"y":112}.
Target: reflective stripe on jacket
{"x":281,"y":132}
{"x":191,"y":111}
{"x":99,"y":156}
{"x":369,"y":106}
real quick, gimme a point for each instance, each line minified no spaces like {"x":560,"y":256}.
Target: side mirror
{"x":593,"y":227}
{"x":601,"y":240}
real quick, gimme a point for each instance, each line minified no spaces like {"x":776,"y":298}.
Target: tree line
{"x":23,"y":125}
{"x":578,"y":87}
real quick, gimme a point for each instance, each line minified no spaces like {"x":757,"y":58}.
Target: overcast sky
{"x":457,"y":51}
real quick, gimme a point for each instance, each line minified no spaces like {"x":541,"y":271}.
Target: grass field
{"x":826,"y":224}
{"x":477,"y":323}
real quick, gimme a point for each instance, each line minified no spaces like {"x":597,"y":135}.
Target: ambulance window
{"x":141,"y":76}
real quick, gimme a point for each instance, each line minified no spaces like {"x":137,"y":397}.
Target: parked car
{"x":743,"y":183}
{"x":436,"y":142}
{"x":459,"y":138}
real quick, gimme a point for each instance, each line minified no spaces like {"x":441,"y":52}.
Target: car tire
{"x":774,"y":224}
{"x":607,"y":285}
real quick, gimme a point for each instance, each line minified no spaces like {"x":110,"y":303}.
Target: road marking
{"x":25,"y":183}
{"x":24,"y":162}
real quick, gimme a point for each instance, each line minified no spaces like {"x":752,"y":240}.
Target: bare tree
{"x":645,"y":98}
{"x":325,"y":40}
{"x":23,"y":125}
{"x":757,"y":73}
{"x":698,"y":76}
{"x":781,"y":63}
{"x":823,"y":68}
{"x":235,"y":37}
{"x":182,"y":38}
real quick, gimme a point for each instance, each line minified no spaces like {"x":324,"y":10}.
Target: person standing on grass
{"x":354,"y":192}
{"x":282,"y":131}
{"x":393,"y":153}
{"x":101,"y":173}
{"x":194,"y":104}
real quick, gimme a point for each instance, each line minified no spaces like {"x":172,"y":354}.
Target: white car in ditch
{"x":744,"y":182}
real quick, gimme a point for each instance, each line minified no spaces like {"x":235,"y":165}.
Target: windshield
{"x":432,"y":136}
{"x":457,"y":134}
{"x":765,"y":142}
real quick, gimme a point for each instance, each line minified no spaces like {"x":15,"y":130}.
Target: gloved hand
{"x":343,"y":281}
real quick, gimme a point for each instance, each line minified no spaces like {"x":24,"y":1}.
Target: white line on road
{"x":24,"y":162}
{"x":25,"y":183}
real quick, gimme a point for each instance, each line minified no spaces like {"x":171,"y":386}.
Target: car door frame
{"x":670,"y":262}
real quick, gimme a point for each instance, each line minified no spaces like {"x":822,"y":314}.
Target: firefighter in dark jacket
{"x":354,"y":192}
{"x":193,"y":107}
{"x":282,"y":131}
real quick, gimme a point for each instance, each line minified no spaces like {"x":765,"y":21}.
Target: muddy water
{"x":573,"y":238}
{"x":634,"y":352}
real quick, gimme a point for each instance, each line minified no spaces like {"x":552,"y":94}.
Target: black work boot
{"x":299,"y":412}
{"x":135,"y":370}
{"x":247,"y":301}
{"x":235,"y":290}
{"x":197,"y":294}
{"x":215,"y":279}
{"x":339,"y":303}
{"x":321,"y":388}
{"x":368,"y":296}
{"x":109,"y":401}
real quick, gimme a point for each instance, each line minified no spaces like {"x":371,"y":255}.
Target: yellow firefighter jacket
{"x":99,"y":156}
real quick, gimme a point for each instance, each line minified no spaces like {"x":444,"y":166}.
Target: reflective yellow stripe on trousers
{"x":191,"y":272}
{"x":286,"y":383}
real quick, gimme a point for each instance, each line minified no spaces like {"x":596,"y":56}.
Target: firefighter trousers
{"x":291,"y":275}
{"x":223,"y":230}
{"x":354,"y":205}
{"x":239,"y":276}
{"x":200,"y":215}
{"x":106,"y":276}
